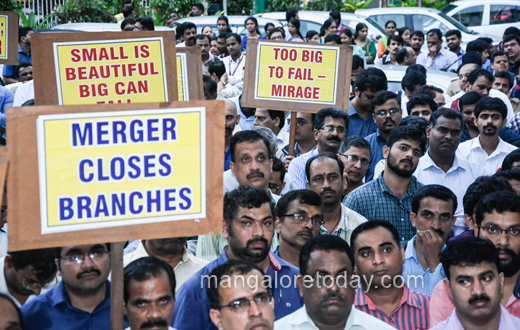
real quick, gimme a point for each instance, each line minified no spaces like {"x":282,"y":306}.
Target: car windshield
{"x":457,"y":24}
{"x":446,"y":9}
{"x":376,"y":25}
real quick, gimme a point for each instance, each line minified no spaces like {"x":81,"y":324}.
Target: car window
{"x":399,"y":19}
{"x":471,"y":16}
{"x":499,"y":14}
{"x":308,"y":26}
{"x":425,"y":23}
{"x":446,"y":9}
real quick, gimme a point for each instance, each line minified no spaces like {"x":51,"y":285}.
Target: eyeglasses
{"x":240,"y":305}
{"x":384,"y":113}
{"x":274,"y":186}
{"x":330,"y":129}
{"x":494,"y":231}
{"x":369,"y":97}
{"x":316,"y":221}
{"x":355,"y":159}
{"x":299,"y":122}
{"x":79,"y":258}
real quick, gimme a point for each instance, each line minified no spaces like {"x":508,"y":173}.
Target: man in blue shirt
{"x":24,"y":55}
{"x":82,"y":299}
{"x":249,"y":228}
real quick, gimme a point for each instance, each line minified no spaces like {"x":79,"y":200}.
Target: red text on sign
{"x":290,"y":91}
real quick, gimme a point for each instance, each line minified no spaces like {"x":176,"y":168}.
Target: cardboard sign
{"x":114,"y":173}
{"x":99,"y":68}
{"x":3,"y":170}
{"x":296,"y":76}
{"x":8,"y":37}
{"x":189,"y":81}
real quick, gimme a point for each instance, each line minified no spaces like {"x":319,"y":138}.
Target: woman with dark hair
{"x":207,"y":30}
{"x":294,"y":30}
{"x":268,"y":27}
{"x":251,"y":24}
{"x":367,"y":45}
{"x":346,"y":39}
{"x":213,"y":49}
{"x":312,"y":37}
{"x":382,"y":45}
{"x":223,"y":25}
{"x":328,"y":27}
{"x":405,"y":32}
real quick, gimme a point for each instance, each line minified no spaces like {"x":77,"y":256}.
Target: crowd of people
{"x":402,"y":213}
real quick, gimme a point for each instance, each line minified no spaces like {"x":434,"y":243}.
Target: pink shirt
{"x":507,"y":321}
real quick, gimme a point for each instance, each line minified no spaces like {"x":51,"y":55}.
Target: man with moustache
{"x":389,"y":197}
{"x":417,"y":41}
{"x":189,"y":33}
{"x":326,"y":267}
{"x":497,"y":218}
{"x":239,"y":297}
{"x":303,"y":138}
{"x":433,"y":209}
{"x":355,"y":153}
{"x":299,"y":216}
{"x":249,"y":228}
{"x":325,"y":176}
{"x":149,"y":294}
{"x":383,"y":293}
{"x":476,"y":286}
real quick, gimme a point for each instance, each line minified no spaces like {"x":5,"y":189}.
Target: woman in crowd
{"x":346,"y":39}
{"x":251,"y":24}
{"x":207,"y":30}
{"x":390,"y":28}
{"x":367,"y":45}
{"x":312,"y":37}
{"x":294,"y":30}
{"x":405,"y":32}
{"x":214,"y":47}
{"x":329,"y":27}
{"x":223,"y":25}
{"x":268,"y":27}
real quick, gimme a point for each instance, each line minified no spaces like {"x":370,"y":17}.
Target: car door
{"x":471,"y":16}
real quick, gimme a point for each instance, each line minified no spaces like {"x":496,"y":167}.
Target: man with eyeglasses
{"x":512,"y":48}
{"x":497,"y":218}
{"x":328,"y":290}
{"x":239,"y":297}
{"x":303,"y":137}
{"x":82,"y":298}
{"x":330,"y":130}
{"x":325,"y":175}
{"x":23,"y":274}
{"x":355,"y":153}
{"x":387,"y":115}
{"x":441,"y":165}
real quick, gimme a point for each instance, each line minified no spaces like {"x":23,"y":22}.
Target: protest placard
{"x":8,"y":37}
{"x":189,"y":74}
{"x":98,"y":68}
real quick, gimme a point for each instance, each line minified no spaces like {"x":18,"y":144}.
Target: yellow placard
{"x":301,"y":73}
{"x":120,"y":168}
{"x":111,"y":71}
{"x":3,"y":37}
{"x":182,"y":77}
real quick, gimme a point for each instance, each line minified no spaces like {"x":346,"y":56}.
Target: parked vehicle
{"x":95,"y":27}
{"x":236,"y":23}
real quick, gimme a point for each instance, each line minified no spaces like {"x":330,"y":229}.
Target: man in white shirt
{"x":440,"y":165}
{"x":23,"y":94}
{"x":236,"y":61}
{"x":328,"y":291}
{"x":274,"y":120}
{"x":487,"y":149}
{"x":437,"y":57}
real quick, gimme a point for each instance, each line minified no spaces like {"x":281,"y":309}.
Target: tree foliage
{"x":9,"y":5}
{"x":81,"y":11}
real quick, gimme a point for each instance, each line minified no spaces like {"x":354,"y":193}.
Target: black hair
{"x":475,"y":74}
{"x":487,"y":40}
{"x":223,"y":35}
{"x":245,"y":197}
{"x":217,"y":67}
{"x":498,"y":201}
{"x":267,"y":25}
{"x":510,"y":37}
{"x":469,"y":98}
{"x":147,"y":23}
{"x":505,"y":75}
{"x":254,"y":20}
{"x":414,"y":121}
{"x":412,"y":133}
{"x":145,"y":268}
{"x":224,"y":272}
{"x":453,"y":32}
{"x":304,"y":196}
{"x":471,"y":58}
{"x":436,"y":32}
{"x":273,"y":114}
{"x":330,"y":112}
{"x":127,"y":21}
{"x":321,"y":157}
{"x":42,"y":261}
{"x":28,"y":103}
{"x":225,"y":19}
{"x":276,"y":30}
{"x":430,"y":90}
{"x":421,"y":99}
{"x":348,"y":33}
{"x":491,"y":103}
{"x":324,"y":243}
{"x":188,"y":26}
{"x":335,"y":15}
{"x":373,"y":224}
{"x":200,"y":6}
{"x":373,"y":79}
{"x":477,"y":46}
{"x":359,"y":27}
{"x":402,"y":30}
{"x":15,"y":306}
{"x":468,"y":251}
{"x":202,"y":37}
{"x":236,"y":36}
{"x":382,"y":96}
{"x":127,"y":11}
{"x":435,"y":191}
{"x":416,"y":67}
{"x":328,"y":22}
{"x":418,"y":33}
{"x":401,"y":54}
{"x":357,"y":62}
{"x":212,"y":84}
{"x":354,"y":141}
{"x":397,"y":38}
{"x":22,"y":32}
{"x":508,"y":175}
{"x":513,"y":156}
{"x":21,"y":66}
{"x":247,"y":136}
{"x":278,"y":166}
{"x":511,"y":30}
{"x":498,"y":53}
{"x":179,"y":30}
{"x":290,"y":13}
{"x":482,"y":186}
{"x":310,"y":34}
{"x":411,"y":79}
{"x":388,"y":22}
{"x":446,"y":113}
{"x":333,"y":38}
{"x":296,"y":22}
{"x":57,"y":250}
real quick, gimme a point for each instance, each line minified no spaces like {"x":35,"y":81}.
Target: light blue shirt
{"x":444,"y":60}
{"x":415,"y":277}
{"x":297,"y":168}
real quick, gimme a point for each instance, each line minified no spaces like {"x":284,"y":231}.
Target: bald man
{"x":232,"y":119}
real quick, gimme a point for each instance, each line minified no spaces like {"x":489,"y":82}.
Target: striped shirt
{"x":297,"y":168}
{"x":411,"y":314}
{"x":375,"y":201}
{"x":348,"y":222}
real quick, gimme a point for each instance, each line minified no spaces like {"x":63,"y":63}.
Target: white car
{"x":424,"y":19}
{"x":313,"y":20}
{"x":485,"y":16}
{"x":96,"y":27}
{"x":236,"y":23}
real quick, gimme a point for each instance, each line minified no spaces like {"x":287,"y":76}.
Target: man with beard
{"x":383,"y":293}
{"x":387,"y":115}
{"x":497,"y":218}
{"x":476,"y":286}
{"x":82,"y":299}
{"x":149,"y":294}
{"x":299,"y":216}
{"x":222,"y":47}
{"x":440,"y":165}
{"x":249,"y":229}
{"x":389,"y":197}
{"x":453,"y":39}
{"x":189,"y":33}
{"x":433,"y":209}
{"x":355,"y":153}
{"x":487,"y":149}
{"x":328,"y":290}
{"x":330,"y":129}
{"x":234,"y":287}
{"x":325,"y":175}
{"x":395,"y":43}
{"x":417,"y":41}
